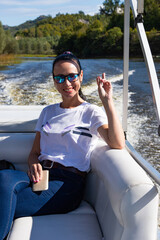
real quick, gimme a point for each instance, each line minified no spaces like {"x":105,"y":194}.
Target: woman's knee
{"x":4,"y":180}
{"x":4,"y":175}
{"x":10,"y":178}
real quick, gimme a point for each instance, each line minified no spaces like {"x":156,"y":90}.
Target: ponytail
{"x":82,"y":95}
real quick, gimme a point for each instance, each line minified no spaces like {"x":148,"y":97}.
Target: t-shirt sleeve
{"x":99,"y":118}
{"x":40,"y":122}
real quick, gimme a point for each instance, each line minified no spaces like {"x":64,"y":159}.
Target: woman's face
{"x":67,"y":89}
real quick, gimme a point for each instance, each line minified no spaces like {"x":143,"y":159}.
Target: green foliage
{"x":113,"y":36}
{"x":11,"y":45}
{"x":117,"y":20}
{"x":2,"y":39}
{"x":8,"y":44}
{"x":109,"y":7}
{"x":87,"y":36}
{"x":154,"y":40}
{"x":35,"y":46}
{"x":152,"y":14}
{"x":26,"y":25}
{"x":135,"y":48}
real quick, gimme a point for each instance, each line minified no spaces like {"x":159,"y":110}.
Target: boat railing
{"x":138,"y":9}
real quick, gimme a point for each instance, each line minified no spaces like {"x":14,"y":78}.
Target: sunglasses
{"x":72,"y":77}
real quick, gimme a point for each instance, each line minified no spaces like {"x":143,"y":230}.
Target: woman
{"x":65,"y":136}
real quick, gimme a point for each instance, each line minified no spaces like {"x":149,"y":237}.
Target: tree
{"x":113,"y":40}
{"x":21,"y":43}
{"x":81,"y":13}
{"x":33,"y":45}
{"x":31,"y":32}
{"x":152,"y":14}
{"x":109,"y":7}
{"x":2,"y":38}
{"x":11,"y":45}
{"x":87,"y":36}
{"x":27,"y":46}
{"x":116,"y":20}
{"x":39,"y":47}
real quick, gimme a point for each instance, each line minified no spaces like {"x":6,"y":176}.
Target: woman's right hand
{"x":104,"y":88}
{"x":35,"y":172}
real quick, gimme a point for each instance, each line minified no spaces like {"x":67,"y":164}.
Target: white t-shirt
{"x":69,"y":135}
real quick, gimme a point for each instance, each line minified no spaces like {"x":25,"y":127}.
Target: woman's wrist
{"x":107,"y":101}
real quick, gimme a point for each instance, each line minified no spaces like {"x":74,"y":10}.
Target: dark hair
{"x":69,"y":56}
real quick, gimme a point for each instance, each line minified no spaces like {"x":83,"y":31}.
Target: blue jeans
{"x":18,"y":200}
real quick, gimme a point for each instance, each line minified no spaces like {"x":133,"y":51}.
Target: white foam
{"x":18,"y":90}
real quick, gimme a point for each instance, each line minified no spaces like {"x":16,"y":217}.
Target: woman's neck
{"x":71,"y":103}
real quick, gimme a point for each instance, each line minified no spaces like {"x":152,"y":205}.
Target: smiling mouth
{"x":68,"y":90}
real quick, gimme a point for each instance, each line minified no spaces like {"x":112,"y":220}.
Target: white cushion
{"x":76,"y":225}
{"x":19,"y":118}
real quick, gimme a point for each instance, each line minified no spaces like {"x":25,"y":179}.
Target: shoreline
{"x":7,"y":60}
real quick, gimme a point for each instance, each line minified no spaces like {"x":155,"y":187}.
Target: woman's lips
{"x":68,"y":90}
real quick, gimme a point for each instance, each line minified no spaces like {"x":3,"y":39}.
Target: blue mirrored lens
{"x":61,"y":79}
{"x":71,"y":77}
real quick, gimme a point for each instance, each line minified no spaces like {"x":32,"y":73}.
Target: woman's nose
{"x":67,"y":82}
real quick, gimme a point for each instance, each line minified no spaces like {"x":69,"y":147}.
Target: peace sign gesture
{"x":104,"y":87}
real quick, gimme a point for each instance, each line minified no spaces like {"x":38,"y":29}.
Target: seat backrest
{"x":97,"y":196}
{"x":122,"y":194}
{"x":14,"y":119}
{"x":17,"y":124}
{"x":16,"y":139}
{"x":110,"y":185}
{"x":15,"y":147}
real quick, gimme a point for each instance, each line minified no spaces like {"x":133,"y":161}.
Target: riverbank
{"x":7,"y":60}
{"x":11,"y":59}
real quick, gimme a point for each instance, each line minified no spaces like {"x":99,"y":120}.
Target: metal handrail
{"x":126,"y":63}
{"x":137,"y":11}
{"x":143,"y":163}
{"x":140,"y":7}
{"x":149,"y":62}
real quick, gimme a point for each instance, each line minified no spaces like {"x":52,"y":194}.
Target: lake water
{"x":30,"y":83}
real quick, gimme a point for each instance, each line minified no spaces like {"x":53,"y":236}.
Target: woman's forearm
{"x":33,"y":158}
{"x":115,"y":132}
{"x":35,"y":168}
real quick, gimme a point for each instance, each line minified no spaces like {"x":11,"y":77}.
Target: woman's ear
{"x":81,"y":76}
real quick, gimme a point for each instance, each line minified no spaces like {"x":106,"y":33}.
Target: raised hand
{"x":112,"y":132}
{"x":104,"y":87}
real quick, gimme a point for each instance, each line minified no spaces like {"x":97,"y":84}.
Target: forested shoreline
{"x":87,"y":36}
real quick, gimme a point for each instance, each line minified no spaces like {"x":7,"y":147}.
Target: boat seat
{"x":120,"y":200}
{"x":79,"y":224}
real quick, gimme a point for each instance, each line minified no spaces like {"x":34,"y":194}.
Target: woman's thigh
{"x":13,"y":180}
{"x":29,"y":202}
{"x":64,"y":194}
{"x":68,"y":197}
{"x":11,"y":184}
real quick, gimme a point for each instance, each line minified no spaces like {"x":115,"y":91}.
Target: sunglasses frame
{"x":63,"y":77}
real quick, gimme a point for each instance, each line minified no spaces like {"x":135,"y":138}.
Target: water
{"x":31,"y":83}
